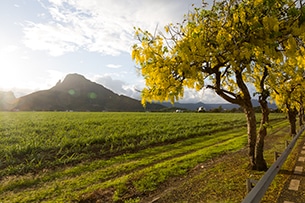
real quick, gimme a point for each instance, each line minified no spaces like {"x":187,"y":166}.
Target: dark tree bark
{"x":245,"y":103}
{"x":301,"y":116}
{"x":261,"y":164}
{"x":251,"y":126}
{"x":292,"y":117}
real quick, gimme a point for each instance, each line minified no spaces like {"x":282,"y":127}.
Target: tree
{"x":218,"y":49}
{"x":301,"y":110}
{"x":288,"y":87}
{"x":288,"y":37}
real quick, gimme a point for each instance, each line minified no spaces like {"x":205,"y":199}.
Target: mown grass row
{"x":144,"y":169}
{"x":153,"y":160}
{"x":32,"y":141}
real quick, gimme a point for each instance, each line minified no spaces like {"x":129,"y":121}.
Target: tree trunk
{"x":261,"y":164}
{"x":247,"y":107}
{"x":292,"y":114}
{"x":244,"y":102}
{"x":301,"y":116}
{"x":251,"y":125}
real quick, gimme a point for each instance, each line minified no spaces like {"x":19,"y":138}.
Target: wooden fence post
{"x":286,"y":144}
{"x":276,"y":155}
{"x":250,"y":183}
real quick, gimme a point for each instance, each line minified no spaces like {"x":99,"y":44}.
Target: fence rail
{"x":257,"y":192}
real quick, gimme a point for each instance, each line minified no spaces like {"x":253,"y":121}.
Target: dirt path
{"x":295,"y":193}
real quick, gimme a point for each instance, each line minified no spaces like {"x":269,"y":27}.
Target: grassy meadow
{"x":114,"y":157}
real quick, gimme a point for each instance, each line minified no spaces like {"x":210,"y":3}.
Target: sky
{"x":44,"y":40}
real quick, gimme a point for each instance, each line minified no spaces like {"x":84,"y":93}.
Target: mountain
{"x":7,"y":101}
{"x":188,"y":106}
{"x":195,"y":106}
{"x":76,"y":93}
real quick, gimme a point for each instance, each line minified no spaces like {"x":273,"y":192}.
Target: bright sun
{"x":8,"y":76}
{"x":11,"y":73}
{"x":20,"y":73}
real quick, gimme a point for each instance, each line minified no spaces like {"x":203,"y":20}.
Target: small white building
{"x":201,"y":109}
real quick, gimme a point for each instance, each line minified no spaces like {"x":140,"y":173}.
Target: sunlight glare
{"x":12,"y":72}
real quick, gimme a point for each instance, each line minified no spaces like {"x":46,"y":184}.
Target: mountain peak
{"x":75,"y":76}
{"x":72,"y":81}
{"x":77,"y":93}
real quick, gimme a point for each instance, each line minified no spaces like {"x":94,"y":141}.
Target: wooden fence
{"x":257,"y":192}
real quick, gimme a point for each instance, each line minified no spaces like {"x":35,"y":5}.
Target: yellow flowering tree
{"x":274,"y":65}
{"x":222,"y":48}
{"x":287,"y":87}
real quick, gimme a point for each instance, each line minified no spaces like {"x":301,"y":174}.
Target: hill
{"x":7,"y":101}
{"x":76,"y":93}
{"x":195,"y":106}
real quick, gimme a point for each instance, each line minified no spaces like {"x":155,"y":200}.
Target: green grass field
{"x":69,"y":156}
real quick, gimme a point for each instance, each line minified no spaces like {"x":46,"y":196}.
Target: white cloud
{"x":35,"y":83}
{"x":114,"y":66}
{"x":53,"y":77}
{"x":134,"y":90}
{"x":10,"y":49}
{"x":204,"y":95}
{"x":18,"y":92}
{"x":52,"y":37}
{"x":118,"y":86}
{"x":104,"y":26}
